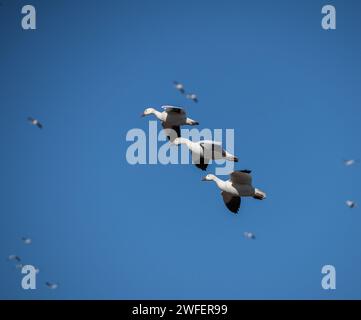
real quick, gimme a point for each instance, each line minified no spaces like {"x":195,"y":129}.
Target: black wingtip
{"x":202,"y":166}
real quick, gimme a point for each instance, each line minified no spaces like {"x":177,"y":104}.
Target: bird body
{"x":192,"y":97}
{"x":204,"y":151}
{"x":249,"y":235}
{"x":349,"y":162}
{"x":239,"y":185}
{"x":14,"y":257}
{"x":171,"y":118}
{"x":26,"y":240}
{"x":179,"y":86}
{"x":351,"y":204}
{"x":35,"y":122}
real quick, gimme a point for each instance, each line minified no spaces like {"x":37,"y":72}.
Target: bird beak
{"x":204,"y":179}
{"x":142,"y":115}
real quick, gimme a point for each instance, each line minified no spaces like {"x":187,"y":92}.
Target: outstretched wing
{"x":173,"y":109}
{"x":241,"y":177}
{"x":211,"y":149}
{"x":232,"y":202}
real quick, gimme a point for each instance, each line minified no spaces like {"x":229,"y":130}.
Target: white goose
{"x":171,"y":118}
{"x":35,"y":122}
{"x":239,"y":185}
{"x":179,"y":86}
{"x":204,"y":151}
{"x":193,"y":97}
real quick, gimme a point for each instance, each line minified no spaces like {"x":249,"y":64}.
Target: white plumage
{"x":204,"y":151}
{"x":172,"y":118}
{"x":239,"y":185}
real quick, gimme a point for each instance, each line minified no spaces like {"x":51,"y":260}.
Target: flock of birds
{"x":19,"y":263}
{"x":26,"y":240}
{"x":204,"y":151}
{"x":348,"y":163}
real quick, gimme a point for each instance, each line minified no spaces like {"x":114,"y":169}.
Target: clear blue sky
{"x":105,"y":229}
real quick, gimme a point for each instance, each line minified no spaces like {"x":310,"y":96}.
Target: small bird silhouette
{"x":35,"y":122}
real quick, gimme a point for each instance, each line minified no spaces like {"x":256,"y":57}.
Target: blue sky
{"x":104,"y":229}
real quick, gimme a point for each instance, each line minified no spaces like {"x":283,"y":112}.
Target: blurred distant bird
{"x":179,"y":87}
{"x":51,"y":285}
{"x":26,"y":240}
{"x":204,"y":151}
{"x":171,"y":118}
{"x":249,"y":235}
{"x":349,"y":162}
{"x":192,"y":97}
{"x":35,"y":122}
{"x":351,"y":204}
{"x":14,"y":257}
{"x":239,"y":185}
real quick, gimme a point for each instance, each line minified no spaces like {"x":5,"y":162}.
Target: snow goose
{"x":249,"y":235}
{"x":26,"y":240}
{"x":14,"y":257}
{"x":349,"y":162}
{"x":351,"y":204}
{"x":35,"y":122}
{"x":192,"y":97}
{"x":51,"y":285}
{"x":204,"y":151}
{"x":239,"y":185}
{"x":171,"y":118}
{"x":179,"y":86}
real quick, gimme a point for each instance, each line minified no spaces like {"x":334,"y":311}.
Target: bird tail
{"x":192,"y":122}
{"x":229,"y":157}
{"x":232,"y":158}
{"x":259,"y":195}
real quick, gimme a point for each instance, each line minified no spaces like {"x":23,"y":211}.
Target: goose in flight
{"x":351,"y":204}
{"x":204,"y":151}
{"x":14,"y":257}
{"x":179,"y":86}
{"x":35,"y":122}
{"x":171,"y":118}
{"x":239,"y":185}
{"x":349,"y":162}
{"x":52,"y":286}
{"x":26,"y":240}
{"x":249,"y":235}
{"x":192,"y":97}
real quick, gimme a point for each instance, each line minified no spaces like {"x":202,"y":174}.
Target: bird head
{"x":147,"y":112}
{"x":208,"y":177}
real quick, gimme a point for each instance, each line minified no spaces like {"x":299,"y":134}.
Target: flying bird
{"x":192,"y":97}
{"x":204,"y":151}
{"x":14,"y":257}
{"x":35,"y":122}
{"x":171,"y":118}
{"x":52,"y":286}
{"x":351,"y":204}
{"x":239,"y":185}
{"x":26,"y":240}
{"x":249,"y":235}
{"x":179,"y":86}
{"x":349,"y":162}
